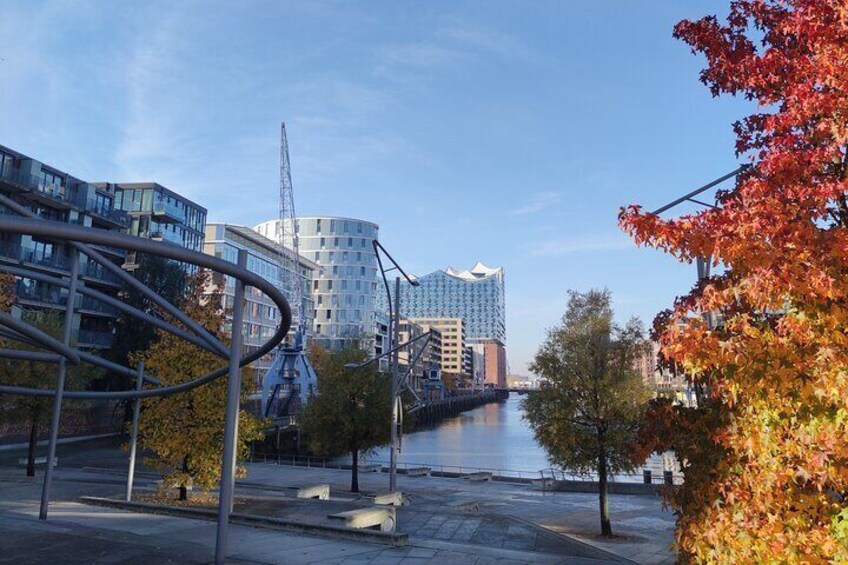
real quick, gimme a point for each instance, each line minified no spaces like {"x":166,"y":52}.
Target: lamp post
{"x":702,"y":263}
{"x":398,"y":384}
{"x":393,"y":348}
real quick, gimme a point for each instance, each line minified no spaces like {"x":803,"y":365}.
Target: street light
{"x":393,"y":348}
{"x":703,"y":263}
{"x":398,"y":384}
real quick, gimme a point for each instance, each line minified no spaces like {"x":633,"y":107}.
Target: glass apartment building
{"x":54,"y":195}
{"x":261,"y":316}
{"x":476,"y":295}
{"x":345,"y":286}
{"x":161,"y":214}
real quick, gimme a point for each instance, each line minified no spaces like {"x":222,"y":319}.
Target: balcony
{"x":35,"y":257}
{"x":40,"y":294}
{"x":90,"y":305}
{"x":98,"y":273}
{"x":167,"y":212}
{"x":100,"y":210}
{"x":53,"y":194}
{"x":94,"y":339}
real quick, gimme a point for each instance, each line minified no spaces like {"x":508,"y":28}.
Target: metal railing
{"x":462,"y":470}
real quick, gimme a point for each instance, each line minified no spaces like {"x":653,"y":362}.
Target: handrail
{"x":340,"y":464}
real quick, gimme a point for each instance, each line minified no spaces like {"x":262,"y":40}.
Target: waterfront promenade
{"x":515,"y":524}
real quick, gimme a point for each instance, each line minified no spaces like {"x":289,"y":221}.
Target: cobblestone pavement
{"x":515,"y":523}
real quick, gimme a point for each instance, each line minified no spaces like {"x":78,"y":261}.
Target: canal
{"x":493,"y":437}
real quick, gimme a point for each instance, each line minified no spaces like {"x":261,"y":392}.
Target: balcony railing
{"x":99,"y":208}
{"x":93,"y":338}
{"x":93,"y":305}
{"x":164,"y":211}
{"x":96,"y":271}
{"x":43,"y":294}
{"x":33,"y":183}
{"x":39,"y":257}
{"x":64,"y":194}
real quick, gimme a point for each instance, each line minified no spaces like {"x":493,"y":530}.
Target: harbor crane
{"x":290,"y":380}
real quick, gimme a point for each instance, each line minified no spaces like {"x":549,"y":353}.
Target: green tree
{"x":352,"y":411}
{"x":186,"y":430}
{"x":166,"y":278}
{"x":587,"y":412}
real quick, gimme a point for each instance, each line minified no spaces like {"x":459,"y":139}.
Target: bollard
{"x":646,"y":476}
{"x":668,"y":477}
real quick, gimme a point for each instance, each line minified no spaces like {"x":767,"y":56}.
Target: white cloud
{"x":537,"y":202}
{"x":581,"y":244}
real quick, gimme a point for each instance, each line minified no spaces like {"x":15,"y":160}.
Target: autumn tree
{"x":34,"y":411}
{"x":773,"y":479}
{"x":352,"y":411}
{"x":588,"y":409}
{"x":185,"y":431}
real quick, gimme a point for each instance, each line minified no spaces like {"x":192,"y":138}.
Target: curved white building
{"x":345,"y":286}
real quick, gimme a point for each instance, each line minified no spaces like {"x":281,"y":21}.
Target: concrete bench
{"x":38,"y":461}
{"x":389,"y":499}
{"x":465,"y":506}
{"x":418,"y":472}
{"x":480,"y":476}
{"x":371,"y":468}
{"x":321,"y":492}
{"x":382,"y":517}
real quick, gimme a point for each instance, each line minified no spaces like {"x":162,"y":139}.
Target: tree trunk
{"x":354,"y":469}
{"x":606,"y":528}
{"x":33,"y":439}
{"x":183,"y":489}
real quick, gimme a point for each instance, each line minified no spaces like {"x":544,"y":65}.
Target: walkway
{"x":515,"y":524}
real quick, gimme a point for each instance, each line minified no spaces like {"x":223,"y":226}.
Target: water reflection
{"x":493,"y":436}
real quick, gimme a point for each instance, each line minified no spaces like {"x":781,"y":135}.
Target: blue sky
{"x":505,"y":132}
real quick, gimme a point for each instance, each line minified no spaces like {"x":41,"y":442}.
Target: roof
{"x":477,"y":272}
{"x":263,"y":241}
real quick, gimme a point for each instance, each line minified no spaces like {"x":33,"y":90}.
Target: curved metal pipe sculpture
{"x":79,"y":235}
{"x":61,"y":352}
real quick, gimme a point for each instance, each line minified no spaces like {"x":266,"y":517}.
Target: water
{"x":493,"y":437}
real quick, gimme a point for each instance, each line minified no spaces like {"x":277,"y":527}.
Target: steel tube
{"x":134,"y":431}
{"x":227,"y":486}
{"x":60,"y":388}
{"x":79,"y":236}
{"x":395,"y":370}
{"x":115,"y":303}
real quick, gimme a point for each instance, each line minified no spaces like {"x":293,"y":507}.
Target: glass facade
{"x":261,"y":316}
{"x":477,"y":296}
{"x":56,"y":196}
{"x":159,"y":213}
{"x":344,"y":288}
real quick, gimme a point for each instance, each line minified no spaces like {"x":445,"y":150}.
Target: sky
{"x":507,"y":132}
